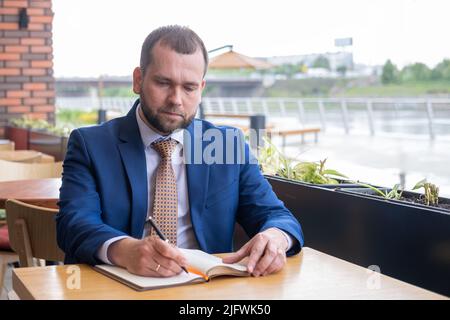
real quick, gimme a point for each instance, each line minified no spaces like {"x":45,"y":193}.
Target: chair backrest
{"x":32,"y":232}
{"x":8,"y":146}
{"x":20,"y":171}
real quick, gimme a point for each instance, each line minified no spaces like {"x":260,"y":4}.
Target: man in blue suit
{"x":110,"y":176}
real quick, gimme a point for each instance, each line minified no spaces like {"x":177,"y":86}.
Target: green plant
{"x":30,"y":123}
{"x":316,"y":173}
{"x":431,"y":192}
{"x":270,"y":158}
{"x":274,"y":162}
{"x":395,"y":193}
{"x":40,"y":124}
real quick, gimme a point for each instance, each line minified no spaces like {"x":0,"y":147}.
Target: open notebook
{"x":202,"y":267}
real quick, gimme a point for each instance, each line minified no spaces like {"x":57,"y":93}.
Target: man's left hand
{"x":266,"y":252}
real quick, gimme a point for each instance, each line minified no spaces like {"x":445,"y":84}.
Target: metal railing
{"x":410,"y":115}
{"x":373,"y":115}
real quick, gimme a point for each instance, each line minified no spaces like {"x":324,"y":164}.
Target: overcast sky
{"x":94,"y":37}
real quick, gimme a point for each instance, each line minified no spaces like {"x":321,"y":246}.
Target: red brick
{"x":9,"y":102}
{"x":41,"y":19}
{"x":34,"y":72}
{"x":9,"y":71}
{"x":35,"y":12}
{"x":44,"y":94}
{"x":41,"y":64}
{"x":41,"y":49}
{"x":47,"y":108}
{"x":17,"y":64}
{"x":15,"y":4}
{"x":32,"y":41}
{"x":18,"y":94}
{"x":9,"y":56}
{"x":14,"y":11}
{"x":40,"y":34}
{"x":30,"y":101}
{"x":20,"y":109}
{"x":40,"y":4}
{"x":35,"y":86}
{"x":36,"y":27}
{"x":8,"y":41}
{"x":38,"y":116}
{"x":9,"y":26}
{"x":20,"y":49}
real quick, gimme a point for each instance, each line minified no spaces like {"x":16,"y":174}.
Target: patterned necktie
{"x":165,"y":202}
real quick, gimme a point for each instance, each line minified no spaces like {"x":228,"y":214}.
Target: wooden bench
{"x":245,"y":128}
{"x":288,"y":132}
{"x":228,"y":115}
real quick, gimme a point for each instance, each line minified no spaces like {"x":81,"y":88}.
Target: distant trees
{"x":321,"y":62}
{"x":290,"y":69}
{"x":415,"y":72}
{"x":441,"y":71}
{"x":390,"y":73}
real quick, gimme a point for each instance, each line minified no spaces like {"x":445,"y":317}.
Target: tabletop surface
{"x":43,"y":192}
{"x":308,"y":275}
{"x":23,"y":155}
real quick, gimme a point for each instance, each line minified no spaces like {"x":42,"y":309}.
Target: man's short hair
{"x":180,"y":39}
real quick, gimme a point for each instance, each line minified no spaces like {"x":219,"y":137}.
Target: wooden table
{"x":40,"y":192}
{"x":25,"y":156}
{"x":309,"y":275}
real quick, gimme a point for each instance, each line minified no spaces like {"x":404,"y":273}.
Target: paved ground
{"x":380,"y":159}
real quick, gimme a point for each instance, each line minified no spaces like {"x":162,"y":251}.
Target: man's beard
{"x":154,"y":118}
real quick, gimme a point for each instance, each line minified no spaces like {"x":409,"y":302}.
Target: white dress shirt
{"x":185,"y":234}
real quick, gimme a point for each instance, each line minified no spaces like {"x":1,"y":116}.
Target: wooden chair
{"x":32,"y":232}
{"x":20,"y":171}
{"x":6,"y":256}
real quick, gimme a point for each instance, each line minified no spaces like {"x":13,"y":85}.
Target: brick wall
{"x":26,"y":61}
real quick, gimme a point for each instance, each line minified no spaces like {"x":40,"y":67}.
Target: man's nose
{"x":175,"y":96}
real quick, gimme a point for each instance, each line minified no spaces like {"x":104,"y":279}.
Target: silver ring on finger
{"x":157,"y":267}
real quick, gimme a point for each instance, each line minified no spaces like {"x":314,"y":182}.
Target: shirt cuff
{"x":289,"y":238}
{"x":102,"y":253}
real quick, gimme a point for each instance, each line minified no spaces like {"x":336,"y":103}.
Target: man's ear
{"x":137,"y":80}
{"x":202,"y":86}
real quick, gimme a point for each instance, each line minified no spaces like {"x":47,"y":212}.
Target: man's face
{"x":170,"y":90}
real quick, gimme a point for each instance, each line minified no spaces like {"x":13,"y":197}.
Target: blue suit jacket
{"x":104,"y":190}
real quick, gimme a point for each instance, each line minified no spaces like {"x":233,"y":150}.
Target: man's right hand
{"x":150,"y":256}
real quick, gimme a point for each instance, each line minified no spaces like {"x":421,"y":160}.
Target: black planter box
{"x":407,"y":242}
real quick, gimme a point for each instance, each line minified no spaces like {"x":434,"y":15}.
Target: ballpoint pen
{"x":160,"y":234}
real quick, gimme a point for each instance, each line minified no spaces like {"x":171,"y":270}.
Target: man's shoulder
{"x":108,"y":128}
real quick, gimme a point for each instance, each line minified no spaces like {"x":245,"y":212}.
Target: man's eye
{"x":162,"y":83}
{"x":189,"y":89}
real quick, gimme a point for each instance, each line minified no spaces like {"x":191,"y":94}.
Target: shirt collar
{"x":149,"y":135}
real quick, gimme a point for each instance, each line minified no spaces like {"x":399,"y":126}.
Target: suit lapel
{"x":133,"y":157}
{"x":197,"y":178}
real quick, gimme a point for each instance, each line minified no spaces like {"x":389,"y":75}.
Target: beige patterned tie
{"x":165,"y":202}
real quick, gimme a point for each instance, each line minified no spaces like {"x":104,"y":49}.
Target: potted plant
{"x":406,"y":240}
{"x":275,"y":163}
{"x":39,"y":135}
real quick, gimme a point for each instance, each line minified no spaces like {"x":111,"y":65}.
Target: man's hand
{"x":266,"y":251}
{"x":147,"y":257}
